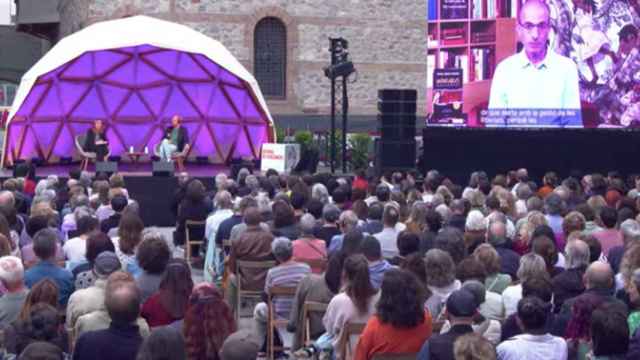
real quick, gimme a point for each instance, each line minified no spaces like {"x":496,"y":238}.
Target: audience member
{"x":401,"y":325}
{"x":535,"y":342}
{"x":152,"y":257}
{"x":169,"y":303}
{"x":122,"y":302}
{"x":494,"y":281}
{"x":44,"y":246}
{"x":208,"y":323}
{"x":307,"y":248}
{"x":12,"y":279}
{"x":164,"y":343}
{"x":83,"y":274}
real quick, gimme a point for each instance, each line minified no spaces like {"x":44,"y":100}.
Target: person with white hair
{"x":223,"y":204}
{"x":531,"y":265}
{"x":12,"y":278}
{"x":288,"y":273}
{"x":630,"y":230}
{"x":320,"y":192}
{"x":307,"y":247}
{"x":348,"y":220}
{"x":569,"y":283}
{"x":221,"y":181}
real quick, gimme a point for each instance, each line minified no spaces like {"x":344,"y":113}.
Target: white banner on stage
{"x":281,"y":157}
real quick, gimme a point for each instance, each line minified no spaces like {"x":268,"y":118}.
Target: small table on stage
{"x":135,"y":156}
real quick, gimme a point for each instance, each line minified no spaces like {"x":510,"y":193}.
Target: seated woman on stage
{"x":175,"y":139}
{"x":96,"y":141}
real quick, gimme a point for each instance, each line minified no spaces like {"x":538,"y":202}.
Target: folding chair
{"x":241,"y":266}
{"x":273,"y":322}
{"x":349,"y":330}
{"x":395,"y":357}
{"x":308,"y":308}
{"x":188,"y":242}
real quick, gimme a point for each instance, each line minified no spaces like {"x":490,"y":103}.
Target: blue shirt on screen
{"x":519,"y":84}
{"x":62,"y":277}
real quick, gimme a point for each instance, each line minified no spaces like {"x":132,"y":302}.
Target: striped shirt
{"x":285,"y":275}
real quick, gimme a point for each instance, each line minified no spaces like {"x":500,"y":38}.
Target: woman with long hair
{"x":129,"y":237}
{"x":169,"y":304}
{"x":208,"y":322}
{"x":44,"y":291}
{"x":354,"y":304}
{"x":401,"y":325}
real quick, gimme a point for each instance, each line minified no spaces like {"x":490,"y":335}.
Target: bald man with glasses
{"x":537,"y":77}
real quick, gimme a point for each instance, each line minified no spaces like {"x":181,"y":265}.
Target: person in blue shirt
{"x":44,"y":246}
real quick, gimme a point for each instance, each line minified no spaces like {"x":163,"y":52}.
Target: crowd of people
{"x":502,"y":268}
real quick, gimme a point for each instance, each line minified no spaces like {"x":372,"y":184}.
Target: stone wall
{"x":386,"y":38}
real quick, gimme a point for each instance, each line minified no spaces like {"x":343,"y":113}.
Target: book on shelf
{"x":431,"y":66}
{"x":453,"y":36}
{"x":454,"y":9}
{"x":483,"y":37}
{"x":452,"y":60}
{"x":447,"y":97}
{"x":432,"y":10}
{"x":483,"y":64}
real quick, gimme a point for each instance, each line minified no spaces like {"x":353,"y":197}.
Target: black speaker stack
{"x":396,"y":148}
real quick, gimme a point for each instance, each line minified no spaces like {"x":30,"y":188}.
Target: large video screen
{"x":535,"y":63}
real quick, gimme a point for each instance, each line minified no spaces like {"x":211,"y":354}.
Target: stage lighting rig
{"x":341,"y":67}
{"x":340,"y":63}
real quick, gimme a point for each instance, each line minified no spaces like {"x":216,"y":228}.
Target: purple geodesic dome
{"x":135,"y":90}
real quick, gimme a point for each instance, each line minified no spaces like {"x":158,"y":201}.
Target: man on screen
{"x":536,"y":77}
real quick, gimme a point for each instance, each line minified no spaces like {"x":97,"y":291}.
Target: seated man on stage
{"x":175,"y":139}
{"x":537,"y":77}
{"x":96,"y":141}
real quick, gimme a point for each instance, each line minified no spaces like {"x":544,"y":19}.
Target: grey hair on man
{"x":221,"y":181}
{"x":252,"y":183}
{"x":11,"y":272}
{"x":630,"y":230}
{"x":307,"y":225}
{"x":577,"y":254}
{"x":223,"y":200}
{"x":348,"y":221}
{"x":282,"y":249}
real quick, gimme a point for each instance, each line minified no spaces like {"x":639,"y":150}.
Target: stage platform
{"x":457,"y":152}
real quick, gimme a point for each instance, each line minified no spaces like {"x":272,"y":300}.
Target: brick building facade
{"x":386,"y":42}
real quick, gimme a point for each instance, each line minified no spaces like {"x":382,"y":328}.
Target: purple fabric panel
{"x":225,"y":135}
{"x":203,"y":143}
{"x":90,"y":107}
{"x":166,"y":61}
{"x":106,"y":60}
{"x":212,"y":68}
{"x":81,"y":68}
{"x":155,"y":98}
{"x":71,"y":93}
{"x":50,"y":106}
{"x":65,"y":143}
{"x":179,"y":104}
{"x":221,"y":109}
{"x":188,"y":69}
{"x":113,"y":96}
{"x":133,"y":108}
{"x":32,"y":99}
{"x":201,"y":94}
{"x":242,"y":148}
{"x":44,"y":132}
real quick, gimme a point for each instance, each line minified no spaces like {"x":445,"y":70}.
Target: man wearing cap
{"x":91,"y":299}
{"x":461,"y":307}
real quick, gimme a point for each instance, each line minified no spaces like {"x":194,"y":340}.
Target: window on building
{"x":270,"y":57}
{"x":7,"y":93}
